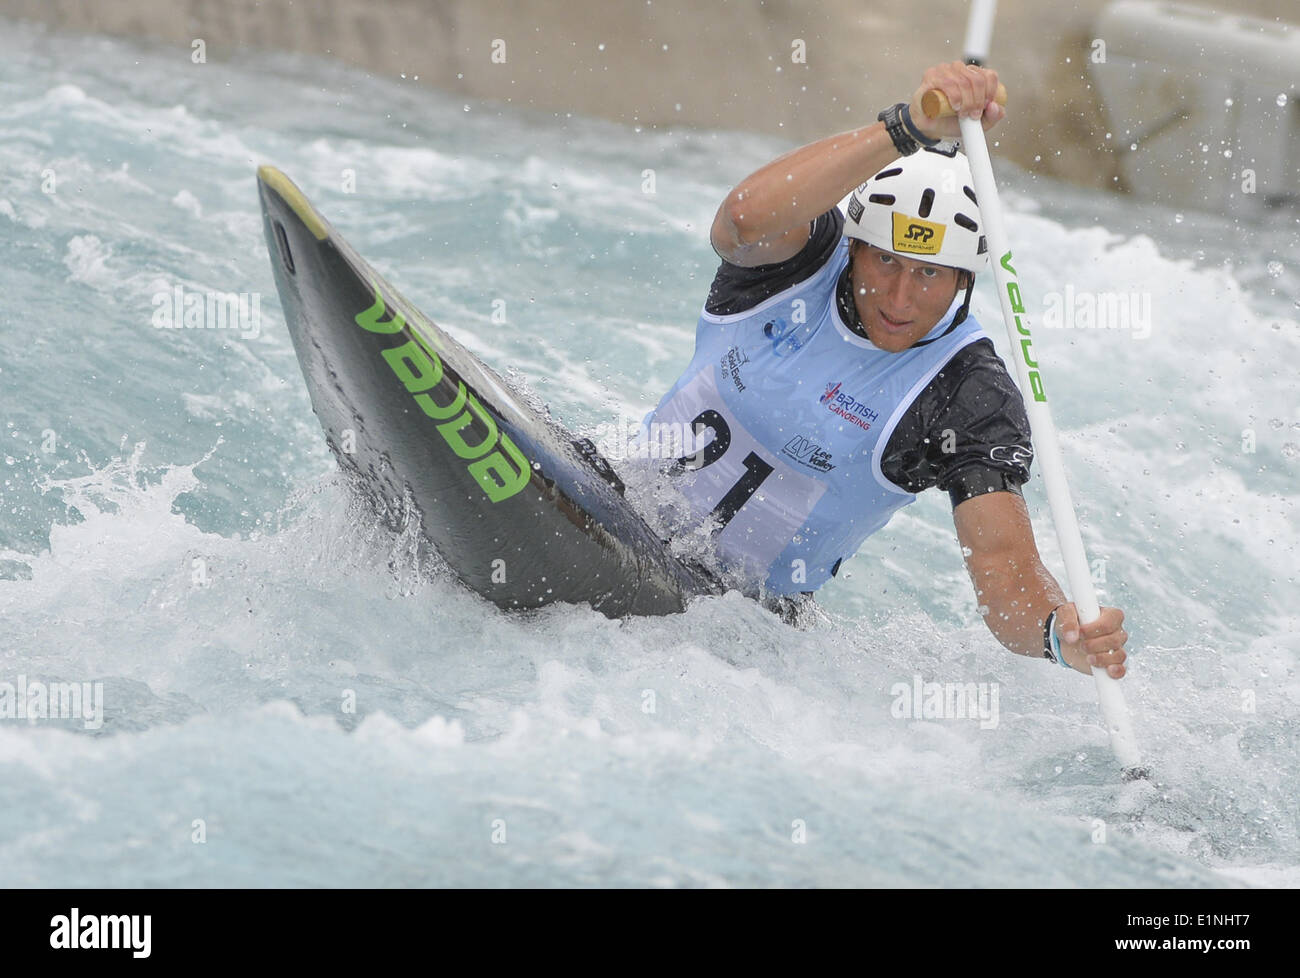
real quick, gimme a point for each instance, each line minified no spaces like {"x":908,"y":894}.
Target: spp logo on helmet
{"x":914,"y":236}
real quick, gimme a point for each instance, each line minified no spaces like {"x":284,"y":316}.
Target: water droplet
{"x":1133,"y":147}
{"x":1275,"y":269}
{"x":1281,"y":100}
{"x":1178,"y":218}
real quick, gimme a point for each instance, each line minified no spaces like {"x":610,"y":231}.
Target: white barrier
{"x":1203,"y":107}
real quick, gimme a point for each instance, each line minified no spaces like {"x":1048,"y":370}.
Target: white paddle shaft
{"x":1047,"y":449}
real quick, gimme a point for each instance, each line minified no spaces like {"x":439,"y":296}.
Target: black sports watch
{"x":892,"y":117}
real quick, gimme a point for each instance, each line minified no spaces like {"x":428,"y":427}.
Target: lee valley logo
{"x":806,"y":453}
{"x":915,"y":236}
{"x":104,"y":932}
{"x":501,"y":473}
{"x":36,"y":700}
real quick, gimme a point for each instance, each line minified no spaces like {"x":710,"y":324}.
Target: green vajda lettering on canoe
{"x":497,"y":465}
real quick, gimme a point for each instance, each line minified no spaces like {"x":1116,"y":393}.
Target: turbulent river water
{"x":289,"y":698}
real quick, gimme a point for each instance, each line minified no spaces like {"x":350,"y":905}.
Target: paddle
{"x":1046,"y":446}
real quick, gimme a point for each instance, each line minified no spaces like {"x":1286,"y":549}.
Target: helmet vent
{"x":961,"y":220}
{"x":886,"y":199}
{"x":927,"y":201}
{"x":971,"y":194}
{"x":888,"y":173}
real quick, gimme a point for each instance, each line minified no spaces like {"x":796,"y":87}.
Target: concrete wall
{"x":715,"y":63}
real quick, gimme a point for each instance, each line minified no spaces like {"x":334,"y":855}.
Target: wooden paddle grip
{"x":935,"y":104}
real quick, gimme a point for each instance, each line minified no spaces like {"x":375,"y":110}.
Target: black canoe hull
{"x":503,"y":493}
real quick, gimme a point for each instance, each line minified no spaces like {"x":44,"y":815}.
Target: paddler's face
{"x":900,"y":299}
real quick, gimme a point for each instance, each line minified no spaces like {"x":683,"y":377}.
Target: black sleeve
{"x":966,"y":433}
{"x":736,"y":288}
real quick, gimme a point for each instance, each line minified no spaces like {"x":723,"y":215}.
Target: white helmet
{"x":921,"y":206}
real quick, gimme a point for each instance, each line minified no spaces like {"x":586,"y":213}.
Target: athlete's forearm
{"x":795,"y":188}
{"x":1018,"y":596}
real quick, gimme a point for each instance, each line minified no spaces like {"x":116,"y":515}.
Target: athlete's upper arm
{"x":737,"y":288}
{"x":726,"y":240}
{"x":981,"y":428}
{"x":966,"y":433}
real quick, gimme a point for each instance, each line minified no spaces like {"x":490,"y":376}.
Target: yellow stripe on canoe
{"x":296,"y":200}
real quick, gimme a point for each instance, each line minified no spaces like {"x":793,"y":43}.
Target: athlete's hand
{"x":970,"y":91}
{"x":1099,"y":643}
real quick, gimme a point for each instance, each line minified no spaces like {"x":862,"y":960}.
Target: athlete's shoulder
{"x":974,"y":391}
{"x":737,"y":288}
{"x":966,"y":432}
{"x":972,"y":365}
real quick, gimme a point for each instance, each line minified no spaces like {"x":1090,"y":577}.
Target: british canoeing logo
{"x":847,"y":407}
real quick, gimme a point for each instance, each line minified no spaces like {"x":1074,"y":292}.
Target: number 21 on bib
{"x":758,"y":502}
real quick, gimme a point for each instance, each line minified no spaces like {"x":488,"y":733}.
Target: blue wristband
{"x":1052,"y":642}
